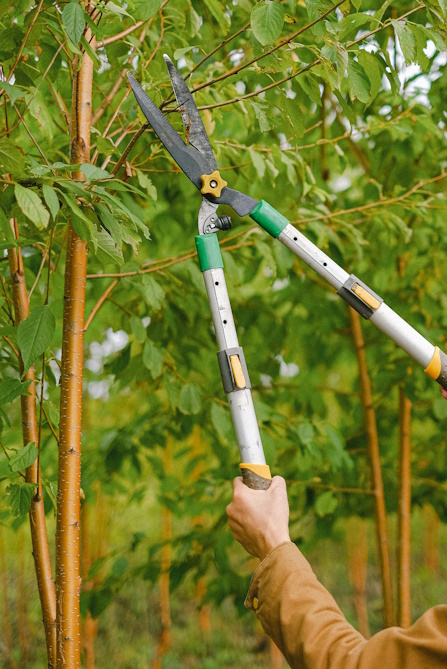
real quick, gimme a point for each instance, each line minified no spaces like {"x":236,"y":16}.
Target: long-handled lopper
{"x":198,"y":163}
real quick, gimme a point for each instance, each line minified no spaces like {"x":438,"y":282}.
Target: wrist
{"x":271,"y":544}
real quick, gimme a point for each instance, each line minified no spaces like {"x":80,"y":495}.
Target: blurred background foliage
{"x":340,"y":126}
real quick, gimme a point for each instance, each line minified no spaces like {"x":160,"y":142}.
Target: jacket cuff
{"x":285,"y":558}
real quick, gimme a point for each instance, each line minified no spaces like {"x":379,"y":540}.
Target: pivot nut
{"x":212,"y":184}
{"x":224,"y":223}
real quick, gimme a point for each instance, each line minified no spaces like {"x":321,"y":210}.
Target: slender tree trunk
{"x":356,"y":532}
{"x":68,"y":579}
{"x":432,"y":523}
{"x":165,"y":639}
{"x":376,"y":470}
{"x":6,"y":619}
{"x":30,"y":432}
{"x":404,"y":516}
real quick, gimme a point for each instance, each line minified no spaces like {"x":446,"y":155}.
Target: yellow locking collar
{"x":212,"y":184}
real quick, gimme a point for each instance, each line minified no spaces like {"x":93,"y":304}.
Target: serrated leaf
{"x":35,"y":333}
{"x":267,"y":20}
{"x":153,"y":292}
{"x":31,"y":205}
{"x":23,"y":458}
{"x":190,"y":400}
{"x":264,"y":124}
{"x":107,"y":244}
{"x":92,"y":172}
{"x":258,"y":162}
{"x":14,"y":92}
{"x":74,"y":21}
{"x":20,"y":496}
{"x":145,"y":9}
{"x":51,"y":199}
{"x":359,"y":86}
{"x":371,"y":65}
{"x":12,"y":388}
{"x":153,"y":358}
{"x":407,"y":40}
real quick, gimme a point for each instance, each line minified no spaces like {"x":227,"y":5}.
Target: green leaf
{"x":11,"y":158}
{"x":372,"y":68}
{"x":31,"y":205}
{"x":51,"y":199}
{"x":145,"y":9}
{"x":258,"y":162}
{"x":258,"y":108}
{"x":108,"y":245}
{"x":147,"y":184}
{"x":325,"y":504}
{"x":24,"y":458}
{"x":407,"y":40}
{"x":74,"y":21}
{"x":359,"y":86}
{"x":306,"y":433}
{"x":20,"y":496}
{"x":153,"y":292}
{"x":12,"y":388}
{"x":190,"y":401}
{"x":267,"y":20}
{"x":14,"y":92}
{"x":92,"y":172}
{"x":153,"y":358}
{"x":35,"y":333}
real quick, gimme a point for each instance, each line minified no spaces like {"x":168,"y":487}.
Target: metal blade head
{"x":189,"y":159}
{"x":195,"y":130}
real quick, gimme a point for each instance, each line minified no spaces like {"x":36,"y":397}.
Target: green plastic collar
{"x":208,"y":250}
{"x":269,"y":219}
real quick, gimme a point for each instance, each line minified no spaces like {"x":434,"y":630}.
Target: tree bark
{"x":357,"y":549}
{"x":68,"y":579}
{"x":376,"y":469}
{"x":404,"y":515}
{"x":30,"y":433}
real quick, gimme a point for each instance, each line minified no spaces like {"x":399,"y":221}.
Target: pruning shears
{"x":197,"y":161}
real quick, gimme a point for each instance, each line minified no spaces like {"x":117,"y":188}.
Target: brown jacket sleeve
{"x":304,"y":621}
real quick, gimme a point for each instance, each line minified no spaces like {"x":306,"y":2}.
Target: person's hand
{"x":443,"y":392}
{"x":259,"y":519}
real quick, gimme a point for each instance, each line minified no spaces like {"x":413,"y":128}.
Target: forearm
{"x":302,"y":618}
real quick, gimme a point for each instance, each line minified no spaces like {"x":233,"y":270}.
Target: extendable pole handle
{"x":356,"y":293}
{"x":233,"y":368}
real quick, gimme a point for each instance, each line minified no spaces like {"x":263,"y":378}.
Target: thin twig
{"x":99,"y":303}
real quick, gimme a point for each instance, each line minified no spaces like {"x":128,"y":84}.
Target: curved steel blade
{"x":195,"y":130}
{"x":189,"y":159}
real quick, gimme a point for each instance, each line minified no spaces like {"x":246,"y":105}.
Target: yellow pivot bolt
{"x":212,"y":184}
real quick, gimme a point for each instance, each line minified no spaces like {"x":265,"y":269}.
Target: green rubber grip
{"x":269,"y":219}
{"x":208,"y":251}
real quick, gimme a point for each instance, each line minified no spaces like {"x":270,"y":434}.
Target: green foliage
{"x":335,"y":132}
{"x":35,"y":334}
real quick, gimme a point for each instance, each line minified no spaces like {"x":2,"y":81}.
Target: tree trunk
{"x":30,"y":432}
{"x":404,"y":515}
{"x":356,"y":531}
{"x":68,"y":579}
{"x":165,"y":639}
{"x":376,"y":470}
